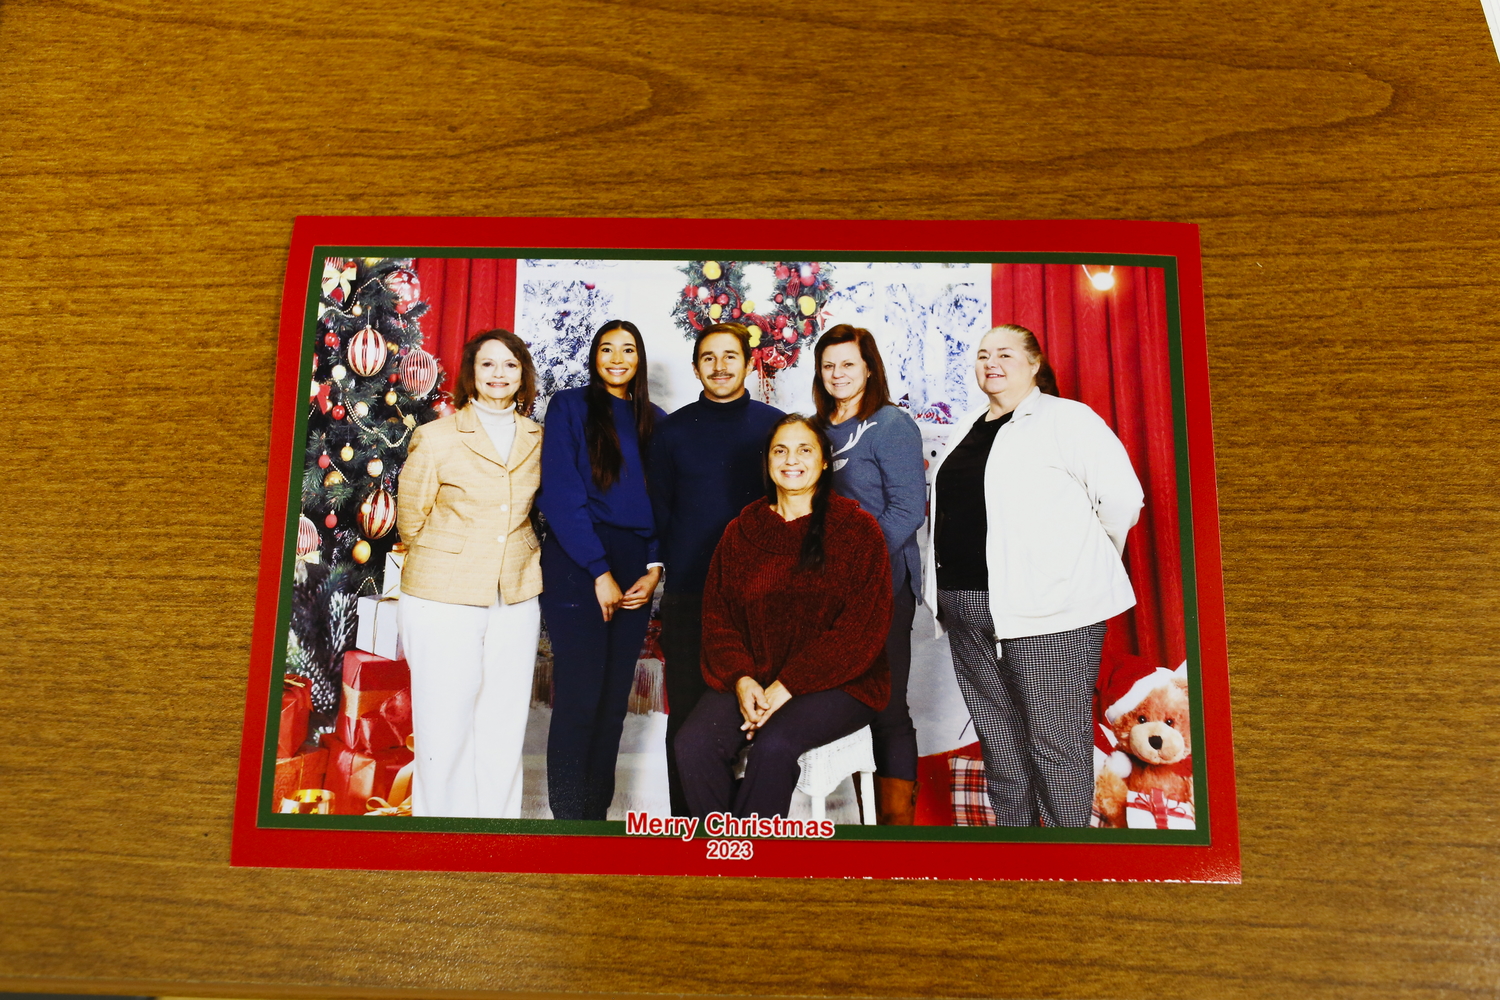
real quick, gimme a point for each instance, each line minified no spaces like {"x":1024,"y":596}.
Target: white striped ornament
{"x":367,"y":352}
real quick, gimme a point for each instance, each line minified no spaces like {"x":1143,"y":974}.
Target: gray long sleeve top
{"x":878,"y":463}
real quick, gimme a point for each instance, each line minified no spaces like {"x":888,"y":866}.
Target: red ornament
{"x":724,"y":298}
{"x":332,"y":520}
{"x":807,"y":329}
{"x":324,"y":461}
{"x":782,"y":271}
{"x":589,"y":285}
{"x":734,"y":313}
{"x":337,"y":412}
{"x":793,"y":286}
{"x":418,"y":372}
{"x":331,"y":339}
{"x":395,"y":377}
{"x":813,"y":267}
{"x":780,"y":320}
{"x":403,"y":284}
{"x":780,"y":297}
{"x":690,"y":291}
{"x":377,"y":514}
{"x":307,"y":536}
{"x":367,"y":352}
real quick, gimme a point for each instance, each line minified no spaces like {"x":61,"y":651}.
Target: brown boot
{"x":895,"y":801}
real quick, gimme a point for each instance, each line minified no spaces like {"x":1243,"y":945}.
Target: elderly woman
{"x":796,"y":609}
{"x":1032,"y":500}
{"x":468,"y":610}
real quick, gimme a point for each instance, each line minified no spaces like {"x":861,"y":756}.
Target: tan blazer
{"x":462,"y":511}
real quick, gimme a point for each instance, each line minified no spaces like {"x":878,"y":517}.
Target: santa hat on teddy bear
{"x":1130,"y":681}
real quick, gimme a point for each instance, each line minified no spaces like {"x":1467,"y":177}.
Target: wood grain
{"x":1341,"y":158}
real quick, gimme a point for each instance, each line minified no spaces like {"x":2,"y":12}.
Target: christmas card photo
{"x":751,"y":548}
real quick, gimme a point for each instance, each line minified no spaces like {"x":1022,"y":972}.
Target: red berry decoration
{"x":403,"y":284}
{"x":331,"y":521}
{"x":337,"y":412}
{"x":324,"y":461}
{"x":367,"y":352}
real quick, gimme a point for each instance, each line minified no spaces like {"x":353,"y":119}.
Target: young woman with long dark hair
{"x":795,"y":613}
{"x":599,"y":565}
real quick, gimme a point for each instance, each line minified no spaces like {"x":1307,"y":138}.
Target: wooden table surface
{"x":1341,"y":160}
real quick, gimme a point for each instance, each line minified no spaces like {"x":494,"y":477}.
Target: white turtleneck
{"x":500,"y":425}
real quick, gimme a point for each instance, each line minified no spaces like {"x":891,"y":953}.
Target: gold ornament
{"x":392,"y":346}
{"x":807,"y":304}
{"x":362,"y":409}
{"x":715,"y":311}
{"x":372,"y":261}
{"x":361,"y":551}
{"x":390,"y":398}
{"x":339,"y":371}
{"x":358,"y":309}
{"x":712,"y":271}
{"x":333,"y":478}
{"x":754,"y":336}
{"x":347,"y":453}
{"x":747,"y":307}
{"x":409,"y":420}
{"x":375,"y":467}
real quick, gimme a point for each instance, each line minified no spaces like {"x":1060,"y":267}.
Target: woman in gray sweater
{"x":877,"y":461}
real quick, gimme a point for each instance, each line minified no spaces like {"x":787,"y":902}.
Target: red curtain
{"x":463,"y":297}
{"x":1109,"y":350}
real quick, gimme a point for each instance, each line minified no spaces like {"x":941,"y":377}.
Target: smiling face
{"x":617,"y":361}
{"x":721,"y":367}
{"x":795,"y":460}
{"x":844,"y":372}
{"x":497,"y":375}
{"x":1002,"y":367}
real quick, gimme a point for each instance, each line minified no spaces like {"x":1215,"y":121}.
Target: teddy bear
{"x":1153,"y":748}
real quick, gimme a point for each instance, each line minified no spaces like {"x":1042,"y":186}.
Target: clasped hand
{"x":758,"y":704}
{"x":607,"y":592}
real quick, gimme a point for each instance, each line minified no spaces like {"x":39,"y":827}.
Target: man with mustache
{"x":706,"y":465}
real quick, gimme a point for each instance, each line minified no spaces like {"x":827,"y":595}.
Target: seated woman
{"x":796,"y":609}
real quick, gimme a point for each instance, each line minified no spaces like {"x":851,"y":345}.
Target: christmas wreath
{"x":715,"y":293}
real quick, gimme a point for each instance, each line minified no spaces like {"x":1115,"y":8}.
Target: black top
{"x":707,"y":462}
{"x":961,"y":523}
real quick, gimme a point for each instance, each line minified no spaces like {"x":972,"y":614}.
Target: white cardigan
{"x":1060,"y":496}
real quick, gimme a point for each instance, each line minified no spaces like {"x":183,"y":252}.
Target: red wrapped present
{"x":387,"y":726}
{"x":305,"y":770}
{"x":354,"y":777}
{"x":399,"y":801}
{"x":296,"y":706}
{"x":370,"y":680}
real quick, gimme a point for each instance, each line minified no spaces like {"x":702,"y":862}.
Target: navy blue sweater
{"x":706,"y":465}
{"x":569,"y":498}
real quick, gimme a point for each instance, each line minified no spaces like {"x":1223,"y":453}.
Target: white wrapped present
{"x":378,"y":631}
{"x":1154,"y":811}
{"x":390,"y":583}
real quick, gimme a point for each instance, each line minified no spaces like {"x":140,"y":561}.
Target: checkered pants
{"x":1031,"y":708}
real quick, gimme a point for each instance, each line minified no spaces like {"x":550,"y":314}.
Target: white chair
{"x":824,"y":768}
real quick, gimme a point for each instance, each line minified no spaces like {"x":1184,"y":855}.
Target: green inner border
{"x":266,"y":817}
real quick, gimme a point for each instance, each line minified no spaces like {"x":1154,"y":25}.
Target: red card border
{"x":619,"y":855}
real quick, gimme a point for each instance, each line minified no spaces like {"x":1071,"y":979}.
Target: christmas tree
{"x":372,"y":385}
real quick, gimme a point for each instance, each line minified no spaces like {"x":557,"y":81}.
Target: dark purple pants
{"x":710,"y":740}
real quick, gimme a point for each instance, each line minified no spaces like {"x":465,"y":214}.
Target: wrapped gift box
{"x":388,"y":725}
{"x":370,"y":680}
{"x":296,"y":706}
{"x":354,"y":777}
{"x":390,"y":583}
{"x":306,"y":770}
{"x":378,"y":630}
{"x":1154,"y":811}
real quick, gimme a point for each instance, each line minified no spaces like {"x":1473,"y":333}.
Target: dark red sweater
{"x":813,"y":631}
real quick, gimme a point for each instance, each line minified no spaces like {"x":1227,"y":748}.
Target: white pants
{"x":470,"y":694}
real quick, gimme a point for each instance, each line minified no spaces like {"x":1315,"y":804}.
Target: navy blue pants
{"x":711,"y":739}
{"x":593,"y":668}
{"x":895,"y":736}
